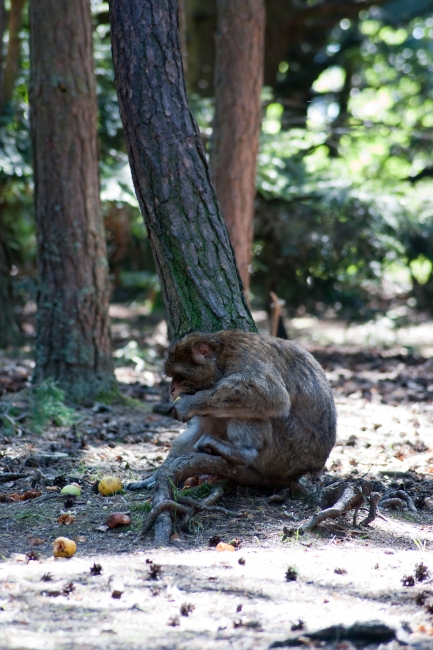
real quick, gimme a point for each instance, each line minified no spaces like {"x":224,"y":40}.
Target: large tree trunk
{"x":73,"y":339}
{"x":238,"y":83}
{"x":190,"y":243}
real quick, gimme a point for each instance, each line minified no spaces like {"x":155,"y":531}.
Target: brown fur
{"x":257,"y":401}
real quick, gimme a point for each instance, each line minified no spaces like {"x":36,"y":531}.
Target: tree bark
{"x":73,"y":344}
{"x":13,"y":53}
{"x":190,"y":243}
{"x":10,"y":333}
{"x":235,"y":142}
{"x":2,"y":30}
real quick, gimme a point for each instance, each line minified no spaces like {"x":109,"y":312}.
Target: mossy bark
{"x":193,"y":255}
{"x":73,"y":344}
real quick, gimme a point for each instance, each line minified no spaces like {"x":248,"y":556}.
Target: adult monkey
{"x":260,"y":403}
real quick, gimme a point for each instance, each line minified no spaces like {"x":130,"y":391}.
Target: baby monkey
{"x":257,"y":401}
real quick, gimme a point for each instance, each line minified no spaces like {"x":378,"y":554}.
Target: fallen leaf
{"x":15,"y":497}
{"x":117,"y":519}
{"x":65,"y":520}
{"x":190,"y":482}
{"x":31,"y":494}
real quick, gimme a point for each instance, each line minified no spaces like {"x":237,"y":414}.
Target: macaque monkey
{"x":256,"y":401}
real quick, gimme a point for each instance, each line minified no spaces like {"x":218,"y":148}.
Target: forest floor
{"x":190,"y":596}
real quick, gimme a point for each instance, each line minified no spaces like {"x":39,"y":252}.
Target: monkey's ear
{"x":202,"y":351}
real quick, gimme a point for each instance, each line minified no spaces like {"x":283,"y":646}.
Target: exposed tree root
{"x":335,"y":500}
{"x":177,"y":471}
{"x":396,"y":498}
{"x":351,"y":497}
{"x":372,"y":514}
{"x":391,"y":503}
{"x":339,"y":498}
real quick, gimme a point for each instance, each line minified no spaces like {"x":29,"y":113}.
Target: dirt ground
{"x":190,"y":596}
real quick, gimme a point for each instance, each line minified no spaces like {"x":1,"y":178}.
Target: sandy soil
{"x":201,"y":598}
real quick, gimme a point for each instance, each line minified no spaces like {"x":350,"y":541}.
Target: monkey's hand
{"x":183,"y":408}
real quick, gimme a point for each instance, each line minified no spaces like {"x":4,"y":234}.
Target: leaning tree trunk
{"x":73,"y":339}
{"x":190,"y":243}
{"x":238,"y":83}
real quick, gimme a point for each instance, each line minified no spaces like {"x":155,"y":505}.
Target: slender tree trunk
{"x":13,"y":53}
{"x":2,"y":30}
{"x":73,"y":339}
{"x":190,"y":243}
{"x":10,"y":333}
{"x":238,"y":83}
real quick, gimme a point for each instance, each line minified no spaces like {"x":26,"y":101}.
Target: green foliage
{"x":39,"y":407}
{"x":47,"y":406}
{"x":140,"y":507}
{"x":198,"y":492}
{"x":344,"y":179}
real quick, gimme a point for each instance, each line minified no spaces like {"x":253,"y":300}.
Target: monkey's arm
{"x":183,"y":444}
{"x":251,"y":395}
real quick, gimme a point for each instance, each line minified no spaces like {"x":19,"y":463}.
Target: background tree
{"x":344,"y":167}
{"x":13,"y":52}
{"x":238,"y":83}
{"x":190,"y":243}
{"x":10,"y":333}
{"x":73,"y":339}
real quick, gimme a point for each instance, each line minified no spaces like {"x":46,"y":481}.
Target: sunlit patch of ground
{"x":384,"y":396}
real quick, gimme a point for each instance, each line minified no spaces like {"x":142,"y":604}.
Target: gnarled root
{"x":177,"y":471}
{"x":351,"y":498}
{"x":340,"y":498}
{"x":396,"y":499}
{"x":372,"y":513}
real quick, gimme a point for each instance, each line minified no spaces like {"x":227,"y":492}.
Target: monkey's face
{"x":192,"y":364}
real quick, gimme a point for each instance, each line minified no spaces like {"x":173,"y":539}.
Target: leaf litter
{"x":385,"y":405}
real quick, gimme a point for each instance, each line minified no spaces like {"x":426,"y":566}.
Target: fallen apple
{"x":73,"y":490}
{"x":64,"y":547}
{"x":109,"y":485}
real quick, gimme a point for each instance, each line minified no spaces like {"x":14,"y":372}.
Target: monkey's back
{"x":303,"y":439}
